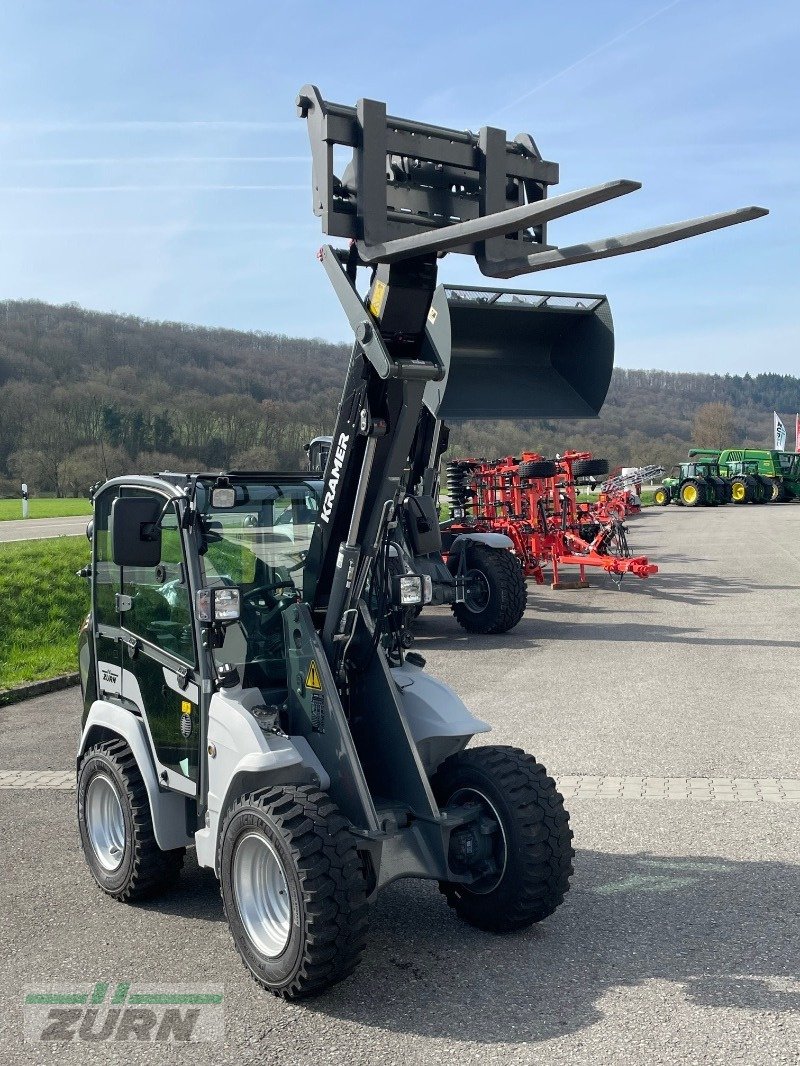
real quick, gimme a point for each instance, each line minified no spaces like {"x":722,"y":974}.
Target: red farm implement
{"x":534,"y":501}
{"x":621,"y":494}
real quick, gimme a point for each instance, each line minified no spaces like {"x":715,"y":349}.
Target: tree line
{"x":86,"y":395}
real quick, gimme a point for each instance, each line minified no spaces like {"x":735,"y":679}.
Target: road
{"x":680,"y":939}
{"x":42,"y":528}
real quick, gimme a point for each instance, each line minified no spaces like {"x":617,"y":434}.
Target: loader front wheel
{"x":294,"y":889}
{"x":116,"y":826}
{"x":521,"y":855}
{"x":496,"y":593}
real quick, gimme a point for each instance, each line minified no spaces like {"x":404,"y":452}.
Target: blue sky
{"x":151,"y":162}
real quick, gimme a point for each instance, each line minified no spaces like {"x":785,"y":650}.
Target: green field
{"x":40,"y":508}
{"x":42,"y":604}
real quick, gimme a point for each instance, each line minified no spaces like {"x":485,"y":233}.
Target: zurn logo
{"x":333,"y":480}
{"x":122,"y":1012}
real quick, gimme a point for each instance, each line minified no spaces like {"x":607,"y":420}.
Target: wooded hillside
{"x":85,"y":395}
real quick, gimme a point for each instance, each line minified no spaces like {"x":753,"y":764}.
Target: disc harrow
{"x":534,"y":501}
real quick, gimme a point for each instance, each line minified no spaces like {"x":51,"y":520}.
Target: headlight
{"x":408,"y":590}
{"x":218,"y":605}
{"x":427,"y":585}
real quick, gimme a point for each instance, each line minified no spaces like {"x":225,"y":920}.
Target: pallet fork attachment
{"x":413,"y":189}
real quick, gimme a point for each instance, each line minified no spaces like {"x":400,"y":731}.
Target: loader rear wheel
{"x":496,"y":592}
{"x":116,"y":826}
{"x":294,"y":889}
{"x":741,"y":491}
{"x":661,"y":497}
{"x":692,"y":494}
{"x":523,"y":839}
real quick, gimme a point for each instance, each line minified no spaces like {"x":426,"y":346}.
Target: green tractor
{"x":777,"y":472}
{"x":748,"y":485}
{"x":694,"y":484}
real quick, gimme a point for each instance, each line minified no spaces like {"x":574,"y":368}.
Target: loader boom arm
{"x":411,"y":193}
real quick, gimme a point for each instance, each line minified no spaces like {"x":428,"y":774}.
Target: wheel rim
{"x":738,"y":492}
{"x":689,"y":494}
{"x":262,"y":894}
{"x":477,"y":592}
{"x":105,"y":823}
{"x":463,"y":797}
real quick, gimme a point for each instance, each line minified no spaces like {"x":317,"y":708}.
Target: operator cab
{"x":250,"y":541}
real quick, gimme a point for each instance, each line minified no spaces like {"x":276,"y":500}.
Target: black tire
{"x":326,"y":885}
{"x":589,"y":467}
{"x":701,"y":493}
{"x":742,"y":490}
{"x":661,"y":497}
{"x":776,"y":491}
{"x":763,"y":490}
{"x":538,"y":468}
{"x":536,"y":845}
{"x":500,"y":576}
{"x":144,"y":869}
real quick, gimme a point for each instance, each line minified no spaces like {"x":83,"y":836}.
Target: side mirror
{"x":218,"y":605}
{"x":135,"y":537}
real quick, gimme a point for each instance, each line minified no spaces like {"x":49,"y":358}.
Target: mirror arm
{"x":151,"y":530}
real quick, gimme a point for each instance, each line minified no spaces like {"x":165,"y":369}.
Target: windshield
{"x":259,"y":544}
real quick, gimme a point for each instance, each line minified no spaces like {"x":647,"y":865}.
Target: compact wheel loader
{"x":245,"y":692}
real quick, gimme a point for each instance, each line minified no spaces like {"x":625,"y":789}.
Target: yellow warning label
{"x":186,"y":707}
{"x":378,"y":298}
{"x":313,"y":680}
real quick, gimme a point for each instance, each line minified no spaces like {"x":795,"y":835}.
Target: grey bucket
{"x":514,"y":354}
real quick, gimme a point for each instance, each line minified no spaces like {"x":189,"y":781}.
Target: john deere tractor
{"x":778,"y":473}
{"x":694,"y":484}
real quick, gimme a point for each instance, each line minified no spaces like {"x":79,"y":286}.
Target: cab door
{"x":105,"y":599}
{"x":159,"y":672}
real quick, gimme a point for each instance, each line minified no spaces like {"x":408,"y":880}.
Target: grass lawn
{"x":38,"y":508}
{"x":42,"y":603}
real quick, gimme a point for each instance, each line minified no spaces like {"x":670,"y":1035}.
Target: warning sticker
{"x":186,"y":718}
{"x":433,"y":314}
{"x":313,"y":680}
{"x":378,"y":298}
{"x":318,"y":712}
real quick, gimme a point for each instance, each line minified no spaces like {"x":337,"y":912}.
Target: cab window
{"x":160,"y":609}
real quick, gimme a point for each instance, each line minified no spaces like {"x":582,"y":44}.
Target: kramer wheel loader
{"x":244,"y":690}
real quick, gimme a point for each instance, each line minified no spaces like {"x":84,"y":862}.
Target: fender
{"x":168,"y":809}
{"x":491,"y":540}
{"x":439,"y":722}
{"x":245,"y":758}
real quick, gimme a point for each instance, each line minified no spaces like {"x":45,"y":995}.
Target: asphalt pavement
{"x":42,"y":528}
{"x":680,"y":939}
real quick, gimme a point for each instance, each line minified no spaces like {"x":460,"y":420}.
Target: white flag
{"x":780,"y":434}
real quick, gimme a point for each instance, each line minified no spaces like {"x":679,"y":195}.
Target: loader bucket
{"x":520,"y":354}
